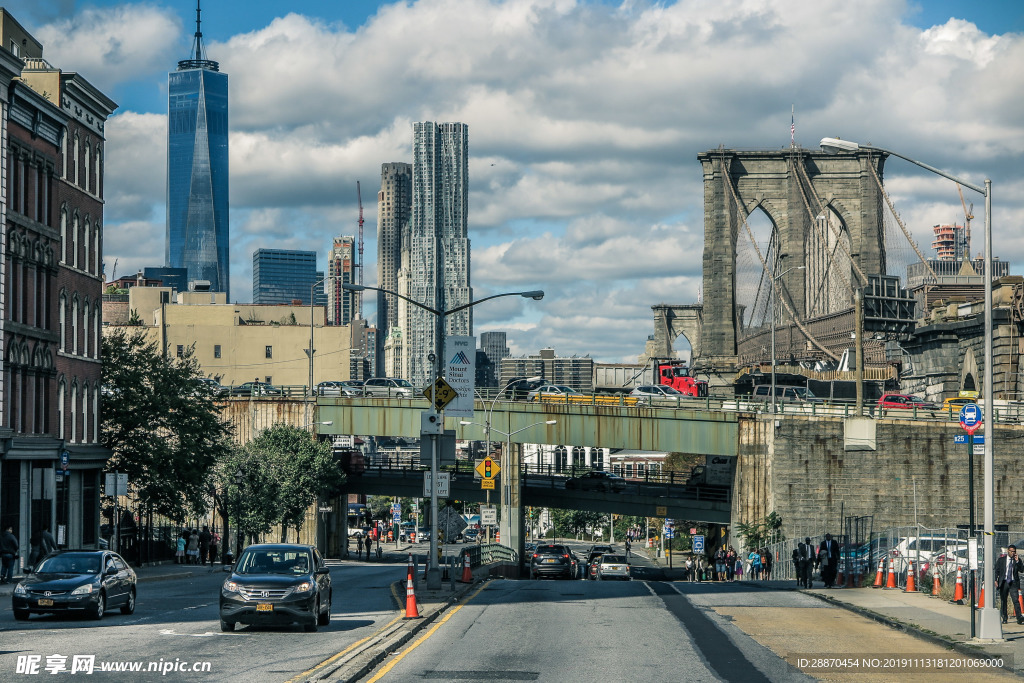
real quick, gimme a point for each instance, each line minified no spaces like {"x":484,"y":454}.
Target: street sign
{"x":660,"y":511}
{"x":693,"y":530}
{"x":396,"y":518}
{"x":65,"y":459}
{"x":698,"y":544}
{"x":443,"y":484}
{"x":970,"y":417}
{"x":460,"y":372}
{"x":488,"y":469}
{"x":116,"y":484}
{"x":962,"y":438}
{"x":487,"y":484}
{"x":450,"y":523}
{"x":444,"y":394}
{"x":669,"y":532}
{"x":488,"y":515}
{"x":326,"y":508}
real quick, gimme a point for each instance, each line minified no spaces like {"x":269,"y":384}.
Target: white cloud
{"x":584,"y":120}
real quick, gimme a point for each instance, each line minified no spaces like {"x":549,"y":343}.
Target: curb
{"x":379,"y":646}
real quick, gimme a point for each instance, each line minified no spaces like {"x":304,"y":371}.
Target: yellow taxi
{"x":957,"y":402}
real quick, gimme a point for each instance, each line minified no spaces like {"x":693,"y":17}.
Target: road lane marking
{"x":648,"y":587}
{"x":334,"y":658}
{"x":423,"y":638}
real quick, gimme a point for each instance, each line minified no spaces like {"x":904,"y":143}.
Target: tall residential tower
{"x":394,"y":206}
{"x":197,"y":168}
{"x":438,"y":249}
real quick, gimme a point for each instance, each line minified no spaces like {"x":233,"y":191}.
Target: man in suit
{"x":805,"y":560}
{"x":1008,"y":569}
{"x":828,"y":559}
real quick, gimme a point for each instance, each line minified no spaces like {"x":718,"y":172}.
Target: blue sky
{"x":585,"y":120}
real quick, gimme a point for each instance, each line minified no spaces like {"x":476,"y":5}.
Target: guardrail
{"x":489,"y":553}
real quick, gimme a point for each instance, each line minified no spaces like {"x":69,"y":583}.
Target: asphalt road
{"x":176,"y":623}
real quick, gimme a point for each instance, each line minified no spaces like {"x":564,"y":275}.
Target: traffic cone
{"x":958,"y":592}
{"x":911,"y":586}
{"x":411,"y":612}
{"x":981,"y":597}
{"x":840,"y":578}
{"x":879,"y":573}
{"x":410,"y":573}
{"x":936,"y":584}
{"x":890,"y":582}
{"x":467,"y":571}
{"x":852,"y":580}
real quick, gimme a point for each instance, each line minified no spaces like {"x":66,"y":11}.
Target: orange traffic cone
{"x":411,"y":612}
{"x":411,"y":570}
{"x":890,"y":581}
{"x":936,"y":584}
{"x":840,"y":578}
{"x":879,"y":573}
{"x":853,"y":580}
{"x":958,"y":592}
{"x":467,"y":571}
{"x":911,"y":586}
{"x":981,"y":597}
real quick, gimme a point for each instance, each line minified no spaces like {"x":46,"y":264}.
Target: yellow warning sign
{"x":442,"y":391}
{"x":488,"y":469}
{"x":486,"y":484}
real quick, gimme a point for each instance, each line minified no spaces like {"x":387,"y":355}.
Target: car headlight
{"x":20,"y":590}
{"x":83,"y":590}
{"x":304,"y":587}
{"x":230,"y":587}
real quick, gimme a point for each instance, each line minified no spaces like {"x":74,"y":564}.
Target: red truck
{"x":676,"y":374}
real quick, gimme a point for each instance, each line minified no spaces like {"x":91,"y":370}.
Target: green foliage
{"x":762,"y":532}
{"x":682,"y":462}
{"x":573,"y":522}
{"x":160,"y":423}
{"x":134,"y":320}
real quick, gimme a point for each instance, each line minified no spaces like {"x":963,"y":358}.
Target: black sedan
{"x":597,"y":480}
{"x":84,"y":581}
{"x":277,"y":583}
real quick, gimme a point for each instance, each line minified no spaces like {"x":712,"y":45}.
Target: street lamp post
{"x":506,"y":467}
{"x":434,"y":416}
{"x":775,"y":281}
{"x":990,"y":627}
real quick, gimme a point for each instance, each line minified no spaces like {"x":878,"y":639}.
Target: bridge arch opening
{"x":829,"y":271}
{"x":756,"y":253}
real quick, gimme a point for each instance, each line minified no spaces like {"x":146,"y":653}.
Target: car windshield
{"x":274,"y":561}
{"x":404,"y":383}
{"x":613,"y":559}
{"x":71,"y":563}
{"x":803,"y":393}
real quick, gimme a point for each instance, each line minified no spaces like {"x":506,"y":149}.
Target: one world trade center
{"x":197,"y":168}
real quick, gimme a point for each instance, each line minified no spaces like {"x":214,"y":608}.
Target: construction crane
{"x":965,"y":243}
{"x":113,"y":271}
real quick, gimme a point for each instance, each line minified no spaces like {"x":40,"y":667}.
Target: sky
{"x":585,"y":120}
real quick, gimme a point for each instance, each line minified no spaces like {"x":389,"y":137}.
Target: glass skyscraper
{"x":197,"y":169}
{"x":281,"y":276}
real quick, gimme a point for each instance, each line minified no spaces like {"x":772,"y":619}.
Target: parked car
{"x":552,"y":392}
{"x":256,"y":389}
{"x":390,"y":387}
{"x":613,"y":567}
{"x":552,"y":560}
{"x":597,"y":480}
{"x":84,"y":581}
{"x":956,"y":403}
{"x":905,"y":402}
{"x":649,"y":392}
{"x":277,"y":583}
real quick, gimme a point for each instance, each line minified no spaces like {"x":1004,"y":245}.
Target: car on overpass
{"x":552,"y":392}
{"x":256,"y":389}
{"x":904,"y":402}
{"x":390,"y":387}
{"x":647,"y":392}
{"x":597,"y":480}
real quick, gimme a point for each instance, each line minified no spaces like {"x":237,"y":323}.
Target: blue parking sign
{"x":698,"y":544}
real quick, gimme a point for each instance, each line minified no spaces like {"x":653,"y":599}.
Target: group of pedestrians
{"x":367,"y":543}
{"x":197,"y":547}
{"x":726,"y":564}
{"x":824,"y":558}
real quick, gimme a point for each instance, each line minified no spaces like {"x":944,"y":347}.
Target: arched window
{"x":97,"y":330}
{"x":74,"y":160}
{"x":64,"y":145}
{"x":86,"y":319}
{"x":579,"y":456}
{"x":87,"y":167}
{"x":96,"y":413}
{"x":74,"y":325}
{"x":86,"y":245}
{"x":61,"y":397}
{"x":97,"y":257}
{"x":62,"y":311}
{"x":597,"y":458}
{"x":561,"y":458}
{"x":74,"y":412}
{"x":76,"y":226}
{"x":63,"y":232}
{"x":99,"y":173}
{"x":85,"y":413}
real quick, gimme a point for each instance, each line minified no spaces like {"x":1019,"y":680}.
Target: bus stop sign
{"x":970,"y":417}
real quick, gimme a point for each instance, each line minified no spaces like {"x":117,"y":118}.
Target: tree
{"x":761,"y":532}
{"x":300,"y":468}
{"x":573,"y":522}
{"x":160,"y":423}
{"x":682,"y":462}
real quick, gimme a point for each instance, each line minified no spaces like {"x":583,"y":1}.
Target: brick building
{"x":51,"y":304}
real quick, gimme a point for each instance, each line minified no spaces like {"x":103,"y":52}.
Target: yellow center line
{"x":348,"y":649}
{"x":421,"y":639}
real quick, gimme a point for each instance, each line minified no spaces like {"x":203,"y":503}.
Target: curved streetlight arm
{"x":835,"y":146}
{"x":536,"y":295}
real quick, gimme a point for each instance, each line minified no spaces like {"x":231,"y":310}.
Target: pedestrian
{"x":627,"y":547}
{"x":720,"y":564}
{"x":359,"y":547}
{"x":192,"y":551}
{"x":214,"y":547}
{"x":1008,"y":569}
{"x":688,"y":571}
{"x":10,"y":549}
{"x":828,"y":560}
{"x":755,"y":564}
{"x":730,"y":564}
{"x":766,"y":564}
{"x":204,"y":544}
{"x":179,"y":553}
{"x":806,"y":562}
{"x":738,"y":570}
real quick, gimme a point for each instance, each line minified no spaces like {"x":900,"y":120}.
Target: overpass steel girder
{"x":705,"y":432}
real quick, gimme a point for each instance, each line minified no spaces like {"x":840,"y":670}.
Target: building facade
{"x":283,"y":276}
{"x":436,"y":263}
{"x":494,"y":346}
{"x":197,"y":170}
{"x":574,"y":371}
{"x":52,"y":205}
{"x":237,"y":343}
{"x":394,"y":208}
{"x":343,"y":306}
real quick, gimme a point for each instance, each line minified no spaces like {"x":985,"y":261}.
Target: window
{"x":181,"y":350}
{"x":216,"y":350}
{"x":270,"y":352}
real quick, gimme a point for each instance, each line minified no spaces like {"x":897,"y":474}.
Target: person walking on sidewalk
{"x":828,"y":560}
{"x":1008,"y":569}
{"x":9,"y":551}
{"x":806,"y":561}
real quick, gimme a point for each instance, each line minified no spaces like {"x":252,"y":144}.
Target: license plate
{"x":45,"y":602}
{"x":264,"y":607}
{"x":550,"y":561}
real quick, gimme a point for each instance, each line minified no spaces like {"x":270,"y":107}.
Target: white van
{"x":763,"y":392}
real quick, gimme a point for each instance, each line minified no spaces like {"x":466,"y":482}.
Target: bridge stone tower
{"x":787,"y":185}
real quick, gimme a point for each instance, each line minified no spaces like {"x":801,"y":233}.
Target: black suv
{"x":552,"y":560}
{"x":277,"y":583}
{"x":520,"y":387}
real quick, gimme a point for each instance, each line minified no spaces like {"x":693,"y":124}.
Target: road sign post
{"x":971,"y":417}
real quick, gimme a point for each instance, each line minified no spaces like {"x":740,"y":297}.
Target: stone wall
{"x":800,"y":470}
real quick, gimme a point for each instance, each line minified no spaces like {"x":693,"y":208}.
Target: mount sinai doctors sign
{"x":460,"y":356}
